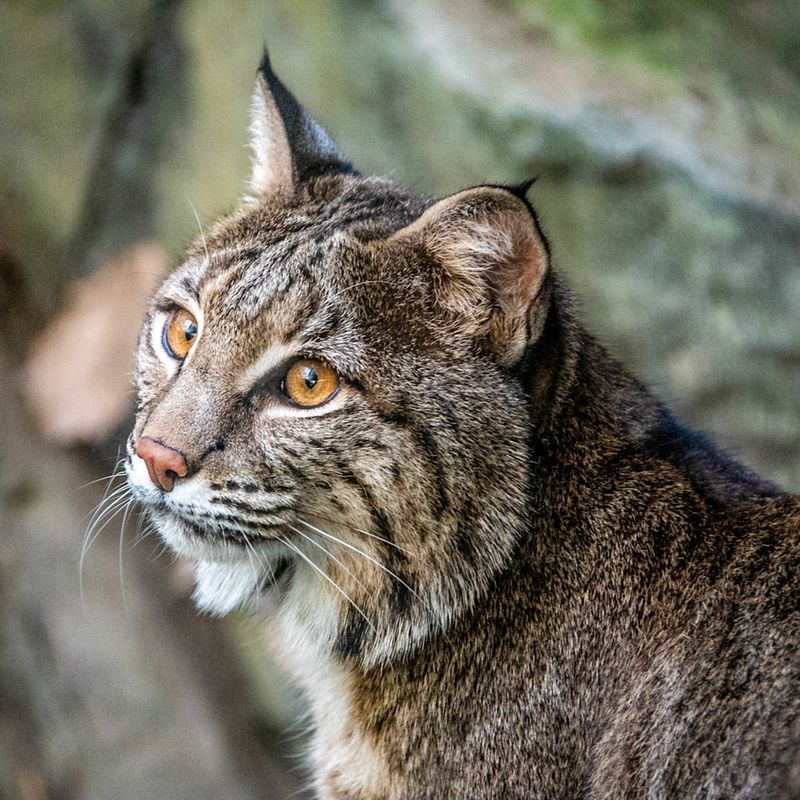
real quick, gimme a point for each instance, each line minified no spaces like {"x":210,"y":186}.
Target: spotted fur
{"x":494,"y":561}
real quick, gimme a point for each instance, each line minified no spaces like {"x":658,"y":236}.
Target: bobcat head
{"x":330,"y":415}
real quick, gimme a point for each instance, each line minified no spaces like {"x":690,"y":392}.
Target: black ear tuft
{"x":521,"y":190}
{"x":265,"y":67}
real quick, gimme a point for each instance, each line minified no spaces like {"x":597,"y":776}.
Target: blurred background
{"x":667,"y":140}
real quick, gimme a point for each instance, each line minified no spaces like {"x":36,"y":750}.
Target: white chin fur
{"x":222,"y":587}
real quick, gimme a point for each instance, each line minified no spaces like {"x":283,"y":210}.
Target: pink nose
{"x":163,"y":463}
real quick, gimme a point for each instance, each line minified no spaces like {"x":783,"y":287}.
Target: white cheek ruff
{"x":221,"y":588}
{"x":244,"y":581}
{"x":226,"y":576}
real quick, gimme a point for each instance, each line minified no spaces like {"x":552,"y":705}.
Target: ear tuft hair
{"x":265,"y":67}
{"x":521,"y":190}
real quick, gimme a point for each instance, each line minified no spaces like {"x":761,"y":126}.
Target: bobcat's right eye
{"x":180,"y":331}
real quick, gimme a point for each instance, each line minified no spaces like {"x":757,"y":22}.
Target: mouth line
{"x":211,"y":527}
{"x":238,"y":537}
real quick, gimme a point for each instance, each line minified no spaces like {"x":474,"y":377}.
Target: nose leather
{"x":163,"y":463}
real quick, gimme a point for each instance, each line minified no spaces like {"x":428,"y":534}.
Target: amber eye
{"x":180,"y":331}
{"x":310,"y":382}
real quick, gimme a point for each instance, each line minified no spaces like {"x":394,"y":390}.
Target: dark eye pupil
{"x":310,"y":377}
{"x":189,"y":330}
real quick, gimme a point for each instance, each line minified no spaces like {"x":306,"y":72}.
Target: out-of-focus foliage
{"x":666,"y":137}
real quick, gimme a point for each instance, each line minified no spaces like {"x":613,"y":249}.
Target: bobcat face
{"x":327,"y":408}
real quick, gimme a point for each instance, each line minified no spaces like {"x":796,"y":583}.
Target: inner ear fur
{"x":492,"y":262}
{"x":287,"y":144}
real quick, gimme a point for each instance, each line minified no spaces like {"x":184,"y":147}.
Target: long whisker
{"x":141,"y":531}
{"x":98,"y":512}
{"x":250,"y":553}
{"x":365,"y":555}
{"x":141,"y":534}
{"x":116,"y":503}
{"x":110,"y":478}
{"x":264,"y":563}
{"x":101,"y":506}
{"x":114,"y":500}
{"x":109,"y":512}
{"x":163,"y":549}
{"x":124,"y":522}
{"x":358,"y":530}
{"x":330,"y":581}
{"x":329,"y":554}
{"x":363,"y":283}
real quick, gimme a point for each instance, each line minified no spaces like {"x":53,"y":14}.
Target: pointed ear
{"x":491,"y":264}
{"x":288,"y":145}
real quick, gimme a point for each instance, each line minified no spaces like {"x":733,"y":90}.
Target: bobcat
{"x":496,"y":564}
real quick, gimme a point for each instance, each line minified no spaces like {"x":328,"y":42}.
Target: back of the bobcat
{"x":496,"y":564}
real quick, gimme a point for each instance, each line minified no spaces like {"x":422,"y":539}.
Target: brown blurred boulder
{"x":77,"y":379}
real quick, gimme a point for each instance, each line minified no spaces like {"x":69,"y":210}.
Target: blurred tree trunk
{"x":143,"y":118}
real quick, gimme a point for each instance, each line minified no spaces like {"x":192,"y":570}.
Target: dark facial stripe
{"x":229,"y":502}
{"x":394,"y":416}
{"x":400,"y":598}
{"x":428,"y":445}
{"x":218,"y":446}
{"x":426,"y":441}
{"x":303,"y":315}
{"x":327,"y":326}
{"x":350,"y":641}
{"x":189,"y":285}
{"x":379,"y":519}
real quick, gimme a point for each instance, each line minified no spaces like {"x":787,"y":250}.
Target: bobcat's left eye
{"x":310,"y":382}
{"x":180,"y":331}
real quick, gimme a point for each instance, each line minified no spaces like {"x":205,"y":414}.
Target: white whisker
{"x":359,"y":530}
{"x":364,"y":283}
{"x":110,"y":478}
{"x":365,"y":555}
{"x":95,"y":515}
{"x":265,"y":564}
{"x":329,"y":554}
{"x":330,"y":581}
{"x":103,"y":516}
{"x":124,"y":522}
{"x":202,"y":234}
{"x":105,"y":498}
{"x":109,"y":512}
